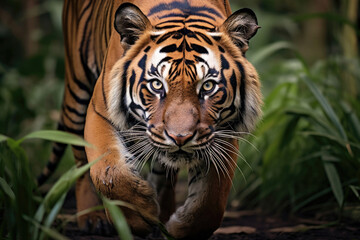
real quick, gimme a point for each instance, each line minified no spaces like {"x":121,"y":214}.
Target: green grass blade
{"x":330,"y":137}
{"x":353,"y":119}
{"x":65,"y":182}
{"x":334,"y":180}
{"x":57,"y":136}
{"x":39,"y":215}
{"x":7,"y":189}
{"x":48,"y":231}
{"x":3,"y":138}
{"x":356,"y":191}
{"x":329,"y":111}
{"x":267,"y":51}
{"x":54,"y":211}
{"x":118,"y":219}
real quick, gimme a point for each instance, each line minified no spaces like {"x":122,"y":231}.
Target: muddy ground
{"x":246,"y":225}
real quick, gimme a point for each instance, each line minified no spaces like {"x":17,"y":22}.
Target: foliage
{"x":307,"y":146}
{"x":25,"y":211}
{"x":29,"y":215}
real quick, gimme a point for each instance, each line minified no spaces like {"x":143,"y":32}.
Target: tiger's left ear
{"x":241,"y":26}
{"x":130,"y":23}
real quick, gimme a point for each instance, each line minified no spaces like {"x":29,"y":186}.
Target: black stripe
{"x":85,"y":41}
{"x":199,"y":20}
{"x":51,"y":166}
{"x":242,"y":88}
{"x":192,"y":195}
{"x":164,"y":37}
{"x":82,"y":86}
{"x":195,"y":178}
{"x":82,"y":122}
{"x":184,"y":6}
{"x":204,"y":37}
{"x":85,"y":9}
{"x":153,"y":171}
{"x":104,"y":118}
{"x":78,"y":99}
{"x":103,"y":83}
{"x":170,"y":21}
{"x":167,"y":27}
{"x":73,"y":110}
{"x":58,"y":152}
{"x":79,"y":132}
{"x":168,"y":49}
{"x":78,"y":148}
{"x":216,"y":38}
{"x":199,"y":26}
{"x":199,"y":48}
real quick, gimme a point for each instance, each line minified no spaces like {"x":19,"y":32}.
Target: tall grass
{"x":24,"y":213}
{"x":308,"y":143}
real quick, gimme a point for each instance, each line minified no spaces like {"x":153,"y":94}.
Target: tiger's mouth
{"x":209,"y":147}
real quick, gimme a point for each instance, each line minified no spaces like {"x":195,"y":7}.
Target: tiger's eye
{"x":208,"y":86}
{"x":157,"y":85}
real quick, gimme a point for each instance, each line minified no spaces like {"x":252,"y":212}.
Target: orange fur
{"x":96,"y":56}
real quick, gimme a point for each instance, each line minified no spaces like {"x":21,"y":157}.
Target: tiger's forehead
{"x":185,"y":51}
{"x":192,"y":64}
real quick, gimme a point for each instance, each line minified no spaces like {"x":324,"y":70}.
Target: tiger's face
{"x":182,"y":89}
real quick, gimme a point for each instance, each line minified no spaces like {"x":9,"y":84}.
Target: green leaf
{"x":336,"y":139}
{"x":65,"y":182}
{"x":57,"y":136}
{"x":356,"y":190}
{"x":329,"y":111}
{"x":267,"y":51}
{"x":118,"y":219}
{"x":334,"y":180}
{"x":48,"y":231}
{"x":3,"y":138}
{"x":54,"y":211}
{"x":7,"y":189}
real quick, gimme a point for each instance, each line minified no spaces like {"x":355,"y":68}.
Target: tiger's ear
{"x":130,"y":23}
{"x":241,"y":26}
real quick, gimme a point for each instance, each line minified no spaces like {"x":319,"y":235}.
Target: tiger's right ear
{"x":241,"y":26}
{"x":130,"y":23}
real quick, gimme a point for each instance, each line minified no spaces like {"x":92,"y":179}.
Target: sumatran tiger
{"x":164,"y":82}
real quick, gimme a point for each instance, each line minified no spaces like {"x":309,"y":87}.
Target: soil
{"x":246,"y":225}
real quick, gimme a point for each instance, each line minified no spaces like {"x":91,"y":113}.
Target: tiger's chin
{"x":179,"y":159}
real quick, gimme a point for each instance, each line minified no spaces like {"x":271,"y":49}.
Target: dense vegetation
{"x":304,"y":157}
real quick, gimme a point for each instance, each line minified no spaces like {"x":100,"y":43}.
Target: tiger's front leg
{"x":114,"y":178}
{"x":204,"y":207}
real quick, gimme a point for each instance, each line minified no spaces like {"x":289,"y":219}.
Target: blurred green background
{"x":304,"y":155}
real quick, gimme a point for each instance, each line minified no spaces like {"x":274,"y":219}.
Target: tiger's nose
{"x":180,"y":139}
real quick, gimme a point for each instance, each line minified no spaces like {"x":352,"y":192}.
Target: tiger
{"x":164,"y":84}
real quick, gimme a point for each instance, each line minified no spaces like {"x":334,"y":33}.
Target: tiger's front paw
{"x":121,"y":184}
{"x":190,"y":229}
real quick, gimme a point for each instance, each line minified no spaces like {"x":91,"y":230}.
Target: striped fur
{"x":164,"y":82}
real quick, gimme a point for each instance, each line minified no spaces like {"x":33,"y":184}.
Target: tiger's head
{"x":183,"y":86}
